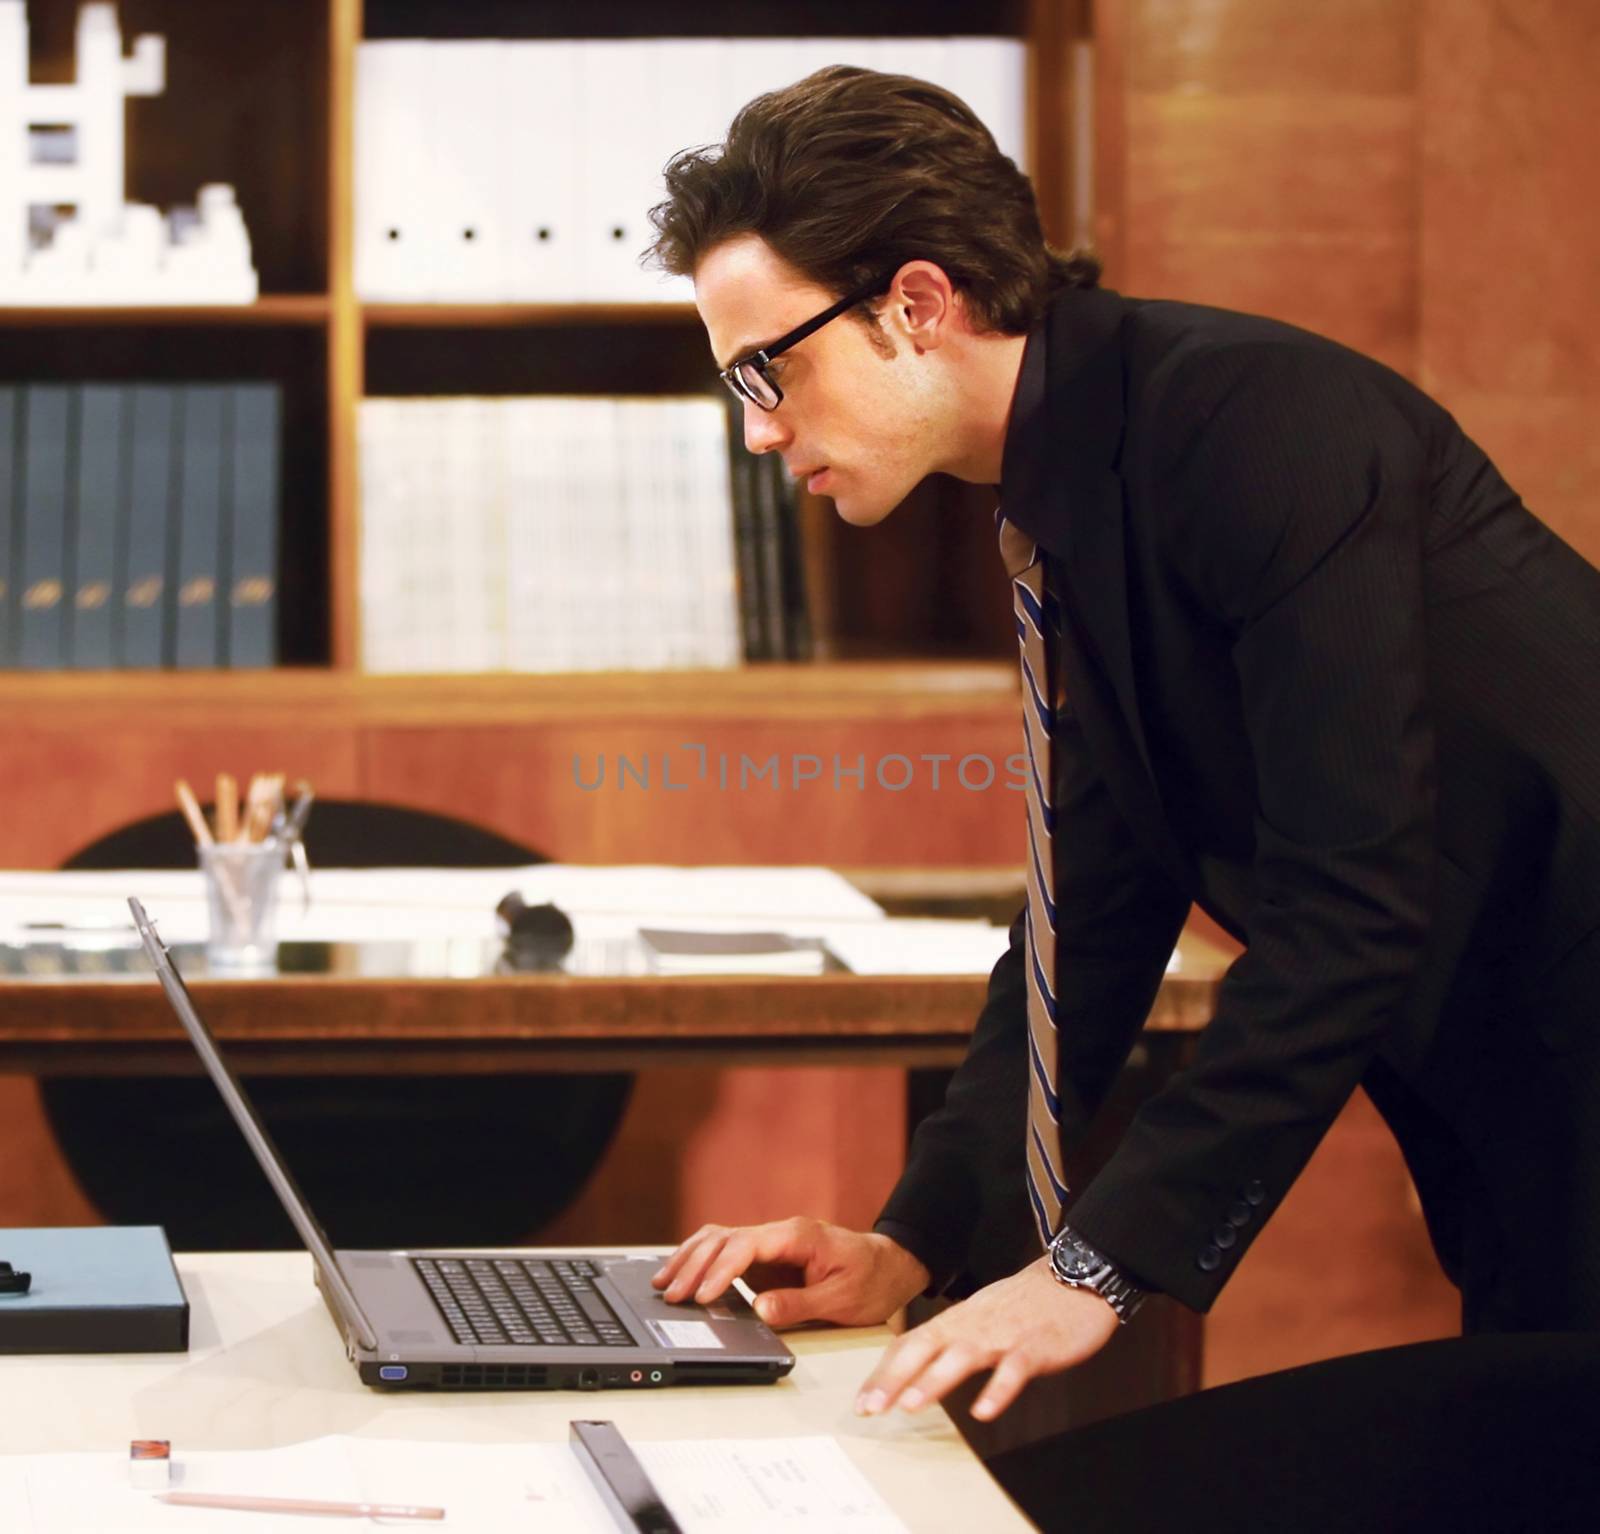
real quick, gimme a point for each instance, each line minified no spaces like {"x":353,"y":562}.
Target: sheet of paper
{"x":715,"y":1486}
{"x":733,"y":1484}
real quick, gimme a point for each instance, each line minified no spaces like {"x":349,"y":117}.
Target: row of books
{"x":138,"y":525}
{"x":552,"y":533}
{"x":494,"y":171}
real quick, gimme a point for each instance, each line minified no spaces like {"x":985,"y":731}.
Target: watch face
{"x":1072,"y":1261}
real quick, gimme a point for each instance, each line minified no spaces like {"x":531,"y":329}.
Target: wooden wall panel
{"x":1510,"y":239}
{"x":1340,"y":47}
{"x":1267,"y":162}
{"x":80,"y":783}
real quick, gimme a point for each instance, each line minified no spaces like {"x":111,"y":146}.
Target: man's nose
{"x":763,"y":431}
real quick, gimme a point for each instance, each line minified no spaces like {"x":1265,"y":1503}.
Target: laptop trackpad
{"x":726,"y":1322}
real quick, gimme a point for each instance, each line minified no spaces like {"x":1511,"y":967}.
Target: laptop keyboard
{"x":522,"y":1301}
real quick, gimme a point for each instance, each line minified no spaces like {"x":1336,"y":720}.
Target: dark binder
{"x":42,"y":586}
{"x":252,"y":585}
{"x":197,"y":612}
{"x":768,"y":475}
{"x":797,"y":635}
{"x":99,"y":1289}
{"x":742,"y":464}
{"x":142,"y":636}
{"x":102,"y":416}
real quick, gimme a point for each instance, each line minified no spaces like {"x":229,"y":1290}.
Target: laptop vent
{"x":493,"y":1377}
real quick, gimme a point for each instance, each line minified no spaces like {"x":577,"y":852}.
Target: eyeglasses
{"x":749,"y":378}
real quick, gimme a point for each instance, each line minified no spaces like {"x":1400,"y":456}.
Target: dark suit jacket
{"x":1329,"y":679}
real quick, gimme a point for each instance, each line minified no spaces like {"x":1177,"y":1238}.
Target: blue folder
{"x":98,"y":1289}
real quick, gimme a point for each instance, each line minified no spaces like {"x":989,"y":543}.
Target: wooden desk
{"x":266,"y":1368}
{"x":326,"y":1023}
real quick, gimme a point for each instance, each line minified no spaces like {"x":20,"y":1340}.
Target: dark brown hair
{"x":848,"y":174}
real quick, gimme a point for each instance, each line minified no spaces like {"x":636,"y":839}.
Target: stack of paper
{"x":499,"y":172}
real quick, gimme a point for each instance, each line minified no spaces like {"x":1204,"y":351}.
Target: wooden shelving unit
{"x":526,"y":316}
{"x":267,"y":100}
{"x":766,"y":692}
{"x":269,"y":309}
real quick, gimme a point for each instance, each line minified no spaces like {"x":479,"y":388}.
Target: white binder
{"x":621,"y":177}
{"x":393,"y":194}
{"x":470,"y":169}
{"x":700,"y":91}
{"x":543,"y":166}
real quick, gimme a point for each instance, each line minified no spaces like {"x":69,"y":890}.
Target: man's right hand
{"x":854,"y":1278}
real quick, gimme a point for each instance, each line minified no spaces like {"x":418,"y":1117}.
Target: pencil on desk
{"x":193,"y":814}
{"x":297,"y":1505}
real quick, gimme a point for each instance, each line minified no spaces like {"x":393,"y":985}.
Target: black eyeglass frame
{"x":732,"y":376}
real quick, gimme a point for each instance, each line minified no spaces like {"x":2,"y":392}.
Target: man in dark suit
{"x":1302,"y":658}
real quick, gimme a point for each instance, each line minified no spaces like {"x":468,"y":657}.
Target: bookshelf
{"x":264,"y":97}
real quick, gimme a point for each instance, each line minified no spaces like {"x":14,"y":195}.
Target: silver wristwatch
{"x":1080,"y":1266}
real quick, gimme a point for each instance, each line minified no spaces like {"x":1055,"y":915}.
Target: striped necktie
{"x":1038,"y":634}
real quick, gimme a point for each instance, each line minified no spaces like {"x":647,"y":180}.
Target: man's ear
{"x":922,"y":305}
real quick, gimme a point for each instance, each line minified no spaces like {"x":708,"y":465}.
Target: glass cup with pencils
{"x":243,"y":851}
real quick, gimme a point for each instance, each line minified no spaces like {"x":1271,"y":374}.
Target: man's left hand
{"x":1025,"y":1325}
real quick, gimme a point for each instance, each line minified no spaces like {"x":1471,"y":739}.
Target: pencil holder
{"x":242,"y":881}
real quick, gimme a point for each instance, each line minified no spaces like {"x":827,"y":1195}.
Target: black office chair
{"x":1471,"y":1435}
{"x":453,"y":1160}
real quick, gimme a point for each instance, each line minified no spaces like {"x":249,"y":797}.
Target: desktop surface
{"x":266,"y":1369}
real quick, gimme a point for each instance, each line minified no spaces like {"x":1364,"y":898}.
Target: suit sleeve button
{"x":1239,"y":1215}
{"x":1254,"y":1194}
{"x":1209,"y":1260}
{"x":1224,"y":1236}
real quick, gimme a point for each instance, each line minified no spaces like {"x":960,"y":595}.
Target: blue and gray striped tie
{"x":1038,"y":636}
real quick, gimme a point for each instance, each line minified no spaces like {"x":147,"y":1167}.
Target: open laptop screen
{"x":254,"y":1131}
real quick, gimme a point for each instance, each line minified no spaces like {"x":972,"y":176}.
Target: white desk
{"x":265,"y":1368}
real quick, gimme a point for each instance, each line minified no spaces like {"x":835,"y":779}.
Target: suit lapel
{"x":1073,"y":506}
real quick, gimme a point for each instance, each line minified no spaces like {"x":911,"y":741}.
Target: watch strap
{"x":1104,"y":1278}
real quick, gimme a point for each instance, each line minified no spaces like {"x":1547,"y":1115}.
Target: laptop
{"x":508,"y":1319}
